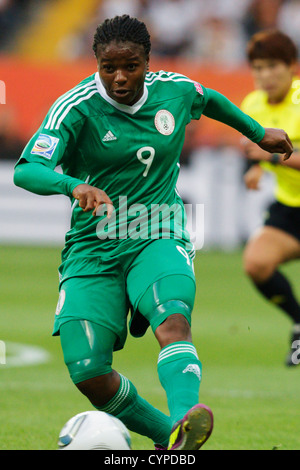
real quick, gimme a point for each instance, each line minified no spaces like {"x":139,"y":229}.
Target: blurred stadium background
{"x":45,"y":49}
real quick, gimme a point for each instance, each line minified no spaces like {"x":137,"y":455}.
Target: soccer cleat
{"x":293,"y":357}
{"x":193,"y":430}
{"x":159,"y":447}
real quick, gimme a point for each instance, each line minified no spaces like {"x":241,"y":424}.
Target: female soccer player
{"x":118,"y":136}
{"x":273,"y":57}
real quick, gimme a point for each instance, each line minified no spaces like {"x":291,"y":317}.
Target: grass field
{"x":241,"y":341}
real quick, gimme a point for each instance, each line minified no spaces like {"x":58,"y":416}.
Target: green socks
{"x":179,"y":371}
{"x":137,"y":414}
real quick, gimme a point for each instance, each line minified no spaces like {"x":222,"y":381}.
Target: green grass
{"x":241,"y":340}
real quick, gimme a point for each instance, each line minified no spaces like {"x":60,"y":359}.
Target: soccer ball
{"x":94,"y":430}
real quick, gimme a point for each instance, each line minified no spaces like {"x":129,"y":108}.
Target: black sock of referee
{"x":278,"y":290}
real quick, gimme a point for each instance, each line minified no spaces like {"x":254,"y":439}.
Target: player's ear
{"x":147,"y":62}
{"x":294,"y":68}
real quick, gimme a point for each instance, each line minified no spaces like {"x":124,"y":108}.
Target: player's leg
{"x":263,"y":255}
{"x":179,"y":368}
{"x":167,"y":305}
{"x":88,"y":353}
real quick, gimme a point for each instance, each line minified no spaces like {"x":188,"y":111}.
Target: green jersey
{"x":130,"y":152}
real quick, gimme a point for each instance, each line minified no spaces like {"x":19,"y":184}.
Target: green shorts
{"x":106,"y":295}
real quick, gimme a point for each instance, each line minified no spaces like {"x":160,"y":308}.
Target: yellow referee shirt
{"x":285,"y":115}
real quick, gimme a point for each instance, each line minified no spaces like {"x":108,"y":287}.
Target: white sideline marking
{"x":22,"y":355}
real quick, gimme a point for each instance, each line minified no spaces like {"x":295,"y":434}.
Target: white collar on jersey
{"x":122,"y":107}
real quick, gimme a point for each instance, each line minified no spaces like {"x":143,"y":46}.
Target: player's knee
{"x":99,"y":390}
{"x":171,"y":294}
{"x":87,"y":350}
{"x":175,"y":328}
{"x":167,"y":305}
{"x":257,"y":269}
{"x":88,"y":368}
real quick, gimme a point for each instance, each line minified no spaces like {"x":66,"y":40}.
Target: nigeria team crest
{"x":164,"y":122}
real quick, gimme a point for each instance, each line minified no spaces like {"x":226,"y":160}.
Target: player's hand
{"x":253,"y":176}
{"x":92,"y":199}
{"x":277,"y":141}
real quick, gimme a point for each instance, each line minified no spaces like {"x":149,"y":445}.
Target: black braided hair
{"x":122,"y":28}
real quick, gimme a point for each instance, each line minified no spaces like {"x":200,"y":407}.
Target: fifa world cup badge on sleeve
{"x":45,"y":146}
{"x":198,"y":88}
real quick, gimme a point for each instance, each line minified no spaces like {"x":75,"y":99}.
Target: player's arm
{"x":256,"y":154}
{"x":35,"y":170}
{"x":218,"y":107}
{"x":253,"y":176}
{"x":39,"y":179}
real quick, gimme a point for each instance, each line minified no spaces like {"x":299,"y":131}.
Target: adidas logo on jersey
{"x":108,"y":137}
